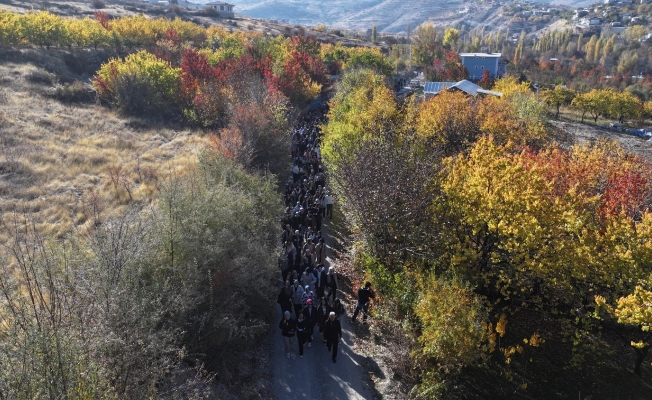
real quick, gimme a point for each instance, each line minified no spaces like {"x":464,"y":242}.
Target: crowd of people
{"x":308,"y":298}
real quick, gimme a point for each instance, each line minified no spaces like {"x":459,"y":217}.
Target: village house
{"x":225,"y":10}
{"x":476,"y":63}
{"x":469,"y":88}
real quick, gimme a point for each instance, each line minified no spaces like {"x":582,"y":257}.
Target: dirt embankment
{"x":582,"y":133}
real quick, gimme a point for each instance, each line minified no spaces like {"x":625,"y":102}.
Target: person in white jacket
{"x":329,"y":205}
{"x":297,"y":297}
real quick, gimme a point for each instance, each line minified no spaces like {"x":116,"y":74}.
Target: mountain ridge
{"x":391,"y":16}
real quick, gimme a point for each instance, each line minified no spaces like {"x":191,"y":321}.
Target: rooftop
{"x":497,"y":55}
{"x":467,"y":87}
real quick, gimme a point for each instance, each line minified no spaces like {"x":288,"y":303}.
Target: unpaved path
{"x":314,"y":376}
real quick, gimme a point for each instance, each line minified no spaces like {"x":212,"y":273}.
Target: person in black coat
{"x":364,"y":295}
{"x":322,"y":315}
{"x":333,"y":334}
{"x":288,"y":327}
{"x":302,"y":332}
{"x":320,"y":285}
{"x":310,"y":314}
{"x":331,"y":283}
{"x":285,"y":297}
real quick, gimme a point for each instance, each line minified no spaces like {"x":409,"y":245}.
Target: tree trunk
{"x":640,"y":356}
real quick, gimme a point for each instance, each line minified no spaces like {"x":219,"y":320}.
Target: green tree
{"x":43,"y":29}
{"x":373,"y":34}
{"x":425,"y":45}
{"x":590,"y":48}
{"x":609,"y":46}
{"x":557,"y":97}
{"x":627,"y":61}
{"x":451,"y":36}
{"x":635,"y":33}
{"x":369,"y":58}
{"x":580,"y":38}
{"x":596,"y":103}
{"x":624,"y":105}
{"x":10,"y":28}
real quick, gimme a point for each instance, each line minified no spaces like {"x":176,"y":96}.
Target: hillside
{"x":126,"y":8}
{"x":58,"y":157}
{"x":392,"y":16}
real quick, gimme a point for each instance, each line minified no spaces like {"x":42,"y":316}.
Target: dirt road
{"x":314,"y":376}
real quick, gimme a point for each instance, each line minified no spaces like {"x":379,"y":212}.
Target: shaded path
{"x":314,"y":376}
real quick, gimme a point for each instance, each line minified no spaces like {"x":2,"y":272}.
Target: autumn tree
{"x":426,"y":45}
{"x":451,"y":35}
{"x":43,"y":29}
{"x":634,"y":33}
{"x":557,"y":97}
{"x":596,"y":103}
{"x":450,"y":121}
{"x":487,"y":81}
{"x":10,"y":28}
{"x":624,"y":105}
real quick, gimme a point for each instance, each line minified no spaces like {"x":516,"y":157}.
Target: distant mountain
{"x":388,"y":15}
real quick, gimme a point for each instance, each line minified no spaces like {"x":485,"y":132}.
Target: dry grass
{"x":66,"y":166}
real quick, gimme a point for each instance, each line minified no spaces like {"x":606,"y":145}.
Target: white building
{"x":224,"y":9}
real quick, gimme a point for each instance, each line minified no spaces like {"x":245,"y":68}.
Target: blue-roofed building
{"x":476,"y":63}
{"x":433,"y":88}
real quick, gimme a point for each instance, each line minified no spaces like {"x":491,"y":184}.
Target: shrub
{"x":74,"y":92}
{"x":141,"y":83}
{"x":160,"y":289}
{"x":41,"y":76}
{"x":135,"y":93}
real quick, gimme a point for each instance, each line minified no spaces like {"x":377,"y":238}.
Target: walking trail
{"x":314,"y":376}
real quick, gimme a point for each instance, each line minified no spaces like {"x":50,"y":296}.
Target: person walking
{"x":329,"y":205}
{"x":319,"y":256}
{"x":288,"y":327}
{"x":294,"y":261}
{"x":322,"y":316}
{"x":320,"y":282}
{"x":364,"y":295}
{"x":331,"y":284}
{"x":310,"y":313}
{"x":308,"y":278}
{"x":302,"y":326}
{"x":297,"y":297}
{"x":337,"y":308}
{"x":307,"y":295}
{"x":333,"y":334}
{"x":285,"y":297}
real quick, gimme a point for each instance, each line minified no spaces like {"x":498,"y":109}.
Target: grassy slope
{"x":56,"y":159}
